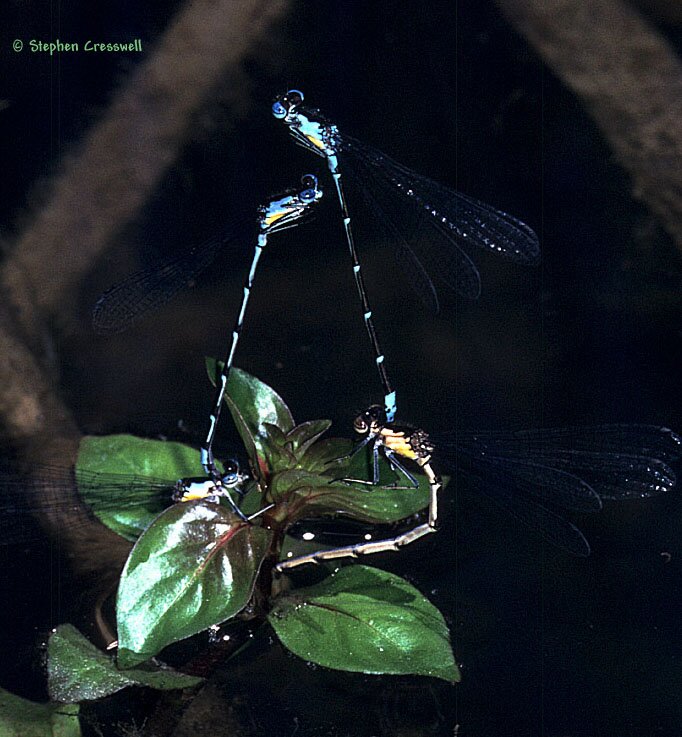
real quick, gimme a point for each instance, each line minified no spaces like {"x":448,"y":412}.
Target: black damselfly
{"x":125,"y":302}
{"x":71,"y":496}
{"x":535,"y":475}
{"x":407,"y":202}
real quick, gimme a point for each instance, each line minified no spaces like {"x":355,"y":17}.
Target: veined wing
{"x":617,"y":461}
{"x":529,"y":477}
{"x":415,"y":232}
{"x":456,"y":220}
{"x":71,"y":496}
{"x":151,"y":288}
{"x":533,"y":473}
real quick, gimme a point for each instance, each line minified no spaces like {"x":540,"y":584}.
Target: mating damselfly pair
{"x":536,"y":475}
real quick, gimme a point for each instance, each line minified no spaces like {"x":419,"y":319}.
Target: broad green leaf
{"x":365,"y":620}
{"x":22,"y":718}
{"x":78,"y":671}
{"x":293,"y":547}
{"x":194,"y":567}
{"x":253,"y":403}
{"x":323,"y":454}
{"x":129,"y":455}
{"x":309,"y":495}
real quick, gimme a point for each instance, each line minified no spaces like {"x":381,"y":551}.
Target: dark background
{"x":549,"y":645}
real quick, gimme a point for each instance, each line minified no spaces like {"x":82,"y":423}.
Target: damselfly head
{"x":370,"y":421}
{"x":232,"y":477}
{"x":286,"y":104}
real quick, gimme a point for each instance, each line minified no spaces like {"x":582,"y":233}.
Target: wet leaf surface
{"x":194,"y":567}
{"x":366,"y":620}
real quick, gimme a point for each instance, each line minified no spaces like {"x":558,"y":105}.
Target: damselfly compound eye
{"x":309,"y":181}
{"x":279,"y":110}
{"x":360,"y":425}
{"x":294,"y":98}
{"x":231,"y":467}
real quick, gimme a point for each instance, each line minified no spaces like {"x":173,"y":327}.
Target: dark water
{"x":550,"y":646}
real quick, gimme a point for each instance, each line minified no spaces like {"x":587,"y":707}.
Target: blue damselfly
{"x":279,"y":214}
{"x":128,"y":300}
{"x":409,"y":202}
{"x":71,"y":496}
{"x":535,"y":475}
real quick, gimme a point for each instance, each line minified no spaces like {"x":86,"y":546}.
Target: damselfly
{"x":448,"y":222}
{"x":70,"y":496}
{"x":536,"y":475}
{"x":125,"y":302}
{"x":278,"y":215}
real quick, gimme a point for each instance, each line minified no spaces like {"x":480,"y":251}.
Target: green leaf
{"x":302,"y":437}
{"x":293,"y":547}
{"x":126,"y":454}
{"x":253,"y":403}
{"x":319,"y":456}
{"x":365,"y":620}
{"x":194,"y":567}
{"x":309,"y":495}
{"x":275,"y":436}
{"x":22,"y":718}
{"x":278,"y":451}
{"x":78,"y":671}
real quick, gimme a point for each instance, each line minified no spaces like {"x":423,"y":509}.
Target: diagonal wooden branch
{"x":103,"y":184}
{"x":629,"y":78}
{"x":109,"y":177}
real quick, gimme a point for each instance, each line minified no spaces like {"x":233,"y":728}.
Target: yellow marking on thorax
{"x":316,"y":142}
{"x":397,"y":442}
{"x":270,"y":219}
{"x":193,"y":496}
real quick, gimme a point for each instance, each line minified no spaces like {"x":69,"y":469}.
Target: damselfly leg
{"x":391,"y":442}
{"x":409,"y":443}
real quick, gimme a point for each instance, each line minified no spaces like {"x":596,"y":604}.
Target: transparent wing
{"x":415,"y":271}
{"x":617,"y":461}
{"x":151,"y":288}
{"x":53,"y":490}
{"x":415,"y":231}
{"x":453,"y":221}
{"x":533,"y":473}
{"x":530,"y":477}
{"x":550,"y":525}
